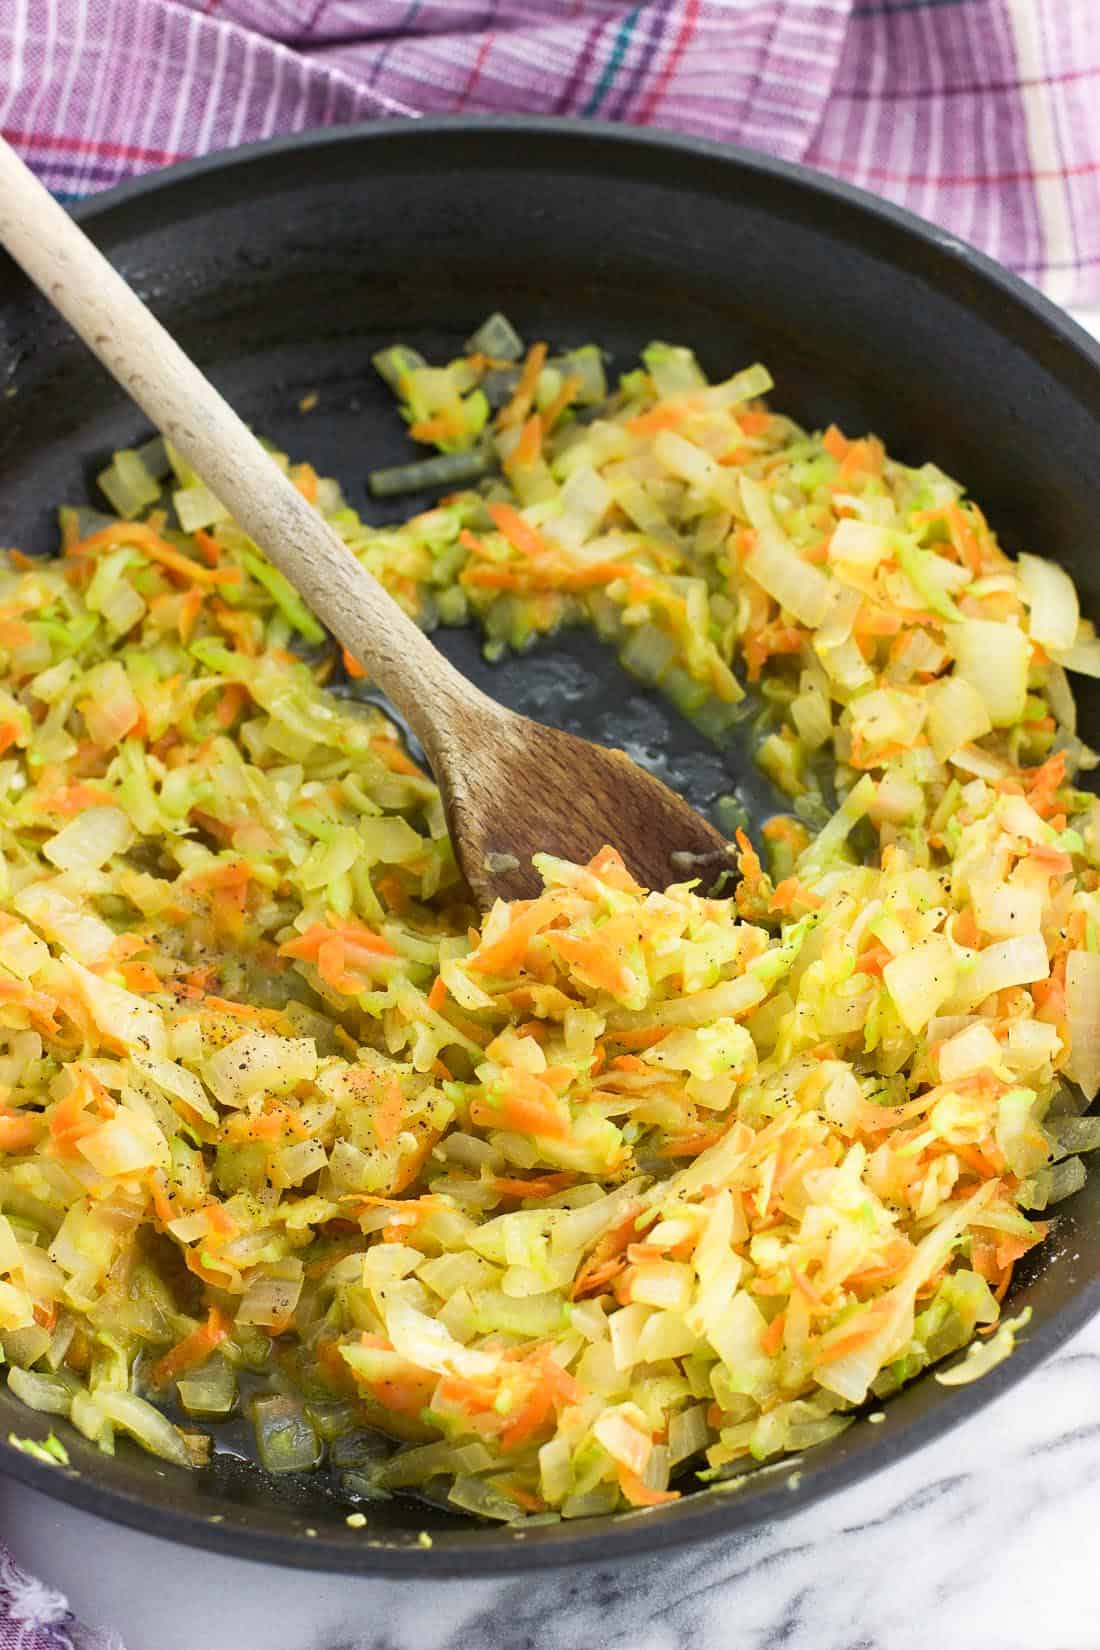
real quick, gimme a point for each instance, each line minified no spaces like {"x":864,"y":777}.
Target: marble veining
{"x":986,"y":1540}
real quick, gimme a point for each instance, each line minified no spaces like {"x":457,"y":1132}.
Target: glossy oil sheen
{"x":282,"y":268}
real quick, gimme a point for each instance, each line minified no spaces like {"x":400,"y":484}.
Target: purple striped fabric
{"x":981,"y":114}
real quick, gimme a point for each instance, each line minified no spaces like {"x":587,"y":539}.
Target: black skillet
{"x":281,"y":268}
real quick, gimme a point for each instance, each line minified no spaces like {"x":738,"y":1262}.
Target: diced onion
{"x":1003,"y":910}
{"x":623,"y":1440}
{"x":152,"y":1430}
{"x":798,"y":586}
{"x":994,"y":658}
{"x":1060,"y":695}
{"x":197,"y":507}
{"x":688,"y":1433}
{"x":585,"y":500}
{"x":811,"y":716}
{"x":90,"y":840}
{"x":48,"y":1394}
{"x":1083,"y":657}
{"x":260,"y":1061}
{"x":673,"y":369}
{"x":969,"y":1051}
{"x":127,"y":484}
{"x":921,"y":980}
{"x":270,"y":1300}
{"x":285,"y":1440}
{"x":1019,"y":961}
{"x":982,"y":1356}
{"x":1073,"y":1134}
{"x":745,"y":385}
{"x":124,"y":1144}
{"x":1083,"y":1018}
{"x":957,"y":715}
{"x":694,"y":465}
{"x":497,"y":338}
{"x":476,"y":1496}
{"x":859,"y":544}
{"x":60,"y":918}
{"x":1052,"y":600}
{"x":210,"y":1390}
{"x":119,"y":1014}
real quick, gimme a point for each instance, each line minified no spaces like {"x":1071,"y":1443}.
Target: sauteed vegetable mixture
{"x":611,"y":1187}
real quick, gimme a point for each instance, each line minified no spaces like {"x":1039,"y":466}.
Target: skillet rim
{"x":478,"y":1551}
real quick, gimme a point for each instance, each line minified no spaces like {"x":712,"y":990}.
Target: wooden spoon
{"x":510,"y":786}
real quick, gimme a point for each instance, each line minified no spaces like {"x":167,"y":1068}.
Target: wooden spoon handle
{"x":134,"y":347}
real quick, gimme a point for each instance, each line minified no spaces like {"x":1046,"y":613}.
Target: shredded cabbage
{"x":538,"y":1212}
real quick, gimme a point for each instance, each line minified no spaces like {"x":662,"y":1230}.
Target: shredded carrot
{"x":964,"y":539}
{"x":194,"y":1349}
{"x":791,"y":892}
{"x":19,"y":1132}
{"x":306,"y":481}
{"x":782,"y":828}
{"x":594,"y":960}
{"x":190,"y":608}
{"x":140,"y":976}
{"x":209,"y":546}
{"x":240,"y":627}
{"x":690,"y":1145}
{"x":537,"y":1410}
{"x":231,"y":703}
{"x":608,"y":1257}
{"x":866,"y":1329}
{"x":638,"y":1493}
{"x":966,"y":930}
{"x":1045,"y":782}
{"x":387,"y":1114}
{"x":353,"y":934}
{"x":396,"y":759}
{"x":528,"y":448}
{"x":543,"y":1185}
{"x":835,"y":444}
{"x":520,"y":535}
{"x":874,"y":960}
{"x":524,"y":394}
{"x":504,"y":955}
{"x":529,"y":1107}
{"x":138,"y":536}
{"x":665,"y":416}
{"x":444,"y":426}
{"x":73,"y":799}
{"x":641,"y":1037}
{"x":561,"y":402}
{"x":629,"y":1062}
{"x":752,"y":872}
{"x":15,"y":633}
{"x":755,"y":421}
{"x":772,"y":1338}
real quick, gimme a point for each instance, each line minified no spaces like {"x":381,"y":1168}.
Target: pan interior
{"x":282,"y":272}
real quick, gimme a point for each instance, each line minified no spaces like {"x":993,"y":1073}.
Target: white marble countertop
{"x":985,"y":1540}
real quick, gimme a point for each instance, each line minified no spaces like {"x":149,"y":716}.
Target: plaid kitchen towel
{"x":981,"y":114}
